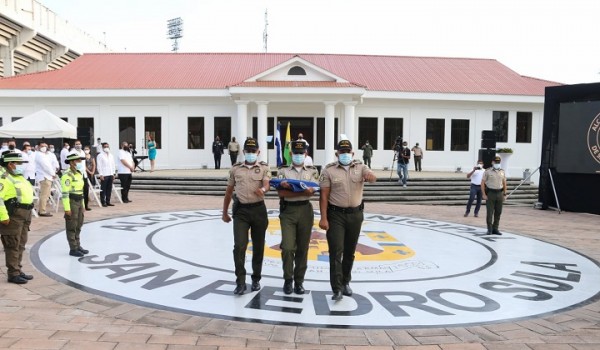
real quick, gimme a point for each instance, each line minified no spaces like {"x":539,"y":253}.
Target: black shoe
{"x":346,"y":290}
{"x":47,"y":215}
{"x":76,"y":253}
{"x":489,"y":231}
{"x":104,"y":205}
{"x":476,"y":215}
{"x":299,"y":289}
{"x":466,"y":214}
{"x":84,"y":251}
{"x":17,"y":279}
{"x":337,"y":296}
{"x":496,"y":232}
{"x":88,"y":208}
{"x":240,"y":289}
{"x":26,"y":276}
{"x":287,"y":287}
{"x":255,"y":286}
{"x":110,"y":204}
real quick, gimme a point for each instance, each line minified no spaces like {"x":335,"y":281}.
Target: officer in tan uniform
{"x":72,"y":183}
{"x":493,"y":188}
{"x":250,"y":181}
{"x":296,"y":217}
{"x":341,"y":205}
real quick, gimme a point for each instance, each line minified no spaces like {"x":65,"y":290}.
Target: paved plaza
{"x":48,"y":314}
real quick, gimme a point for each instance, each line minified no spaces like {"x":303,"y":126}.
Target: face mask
{"x":43,"y":149}
{"x":79,"y":166}
{"x":78,"y":147}
{"x":11,"y":147}
{"x":496,"y":166}
{"x":480,"y":166}
{"x":250,"y":157}
{"x":106,"y":150}
{"x":126,"y":149}
{"x":345,"y":158}
{"x":298,"y":159}
{"x":29,"y":152}
{"x":18,"y":169}
{"x":51,"y":150}
{"x":4,"y":146}
{"x":87,"y":151}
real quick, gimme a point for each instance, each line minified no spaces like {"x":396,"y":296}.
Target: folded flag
{"x":297,"y":185}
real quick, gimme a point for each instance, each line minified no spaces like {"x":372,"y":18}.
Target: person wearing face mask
{"x":12,"y":146}
{"x":367,"y":153}
{"x":90,"y":168}
{"x":4,"y":147}
{"x":403,"y":160}
{"x":72,"y":183}
{"x":217,"y":150}
{"x":418,"y":156}
{"x":341,"y":205}
{"x":54,"y":159}
{"x":250,"y":181}
{"x":106,"y":169}
{"x":475,"y":175}
{"x":64,"y":152}
{"x":16,"y":194}
{"x":86,"y":188}
{"x":296,"y":217}
{"x":125,"y":168}
{"x":493,"y":187}
{"x":29,"y":156}
{"x":45,"y":172}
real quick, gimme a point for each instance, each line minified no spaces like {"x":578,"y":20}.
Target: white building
{"x":188,"y":99}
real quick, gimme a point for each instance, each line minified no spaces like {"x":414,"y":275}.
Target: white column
{"x":329,"y":124}
{"x":242,"y":121}
{"x":350,"y":123}
{"x":262,"y":129}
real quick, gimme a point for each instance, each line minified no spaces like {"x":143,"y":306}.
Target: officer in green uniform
{"x":493,"y":189}
{"x":296,"y":217}
{"x":341,"y":205}
{"x":72,"y":182}
{"x":16,"y":202}
{"x":250,"y":181}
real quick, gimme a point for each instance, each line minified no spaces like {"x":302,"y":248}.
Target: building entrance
{"x":299,"y":125}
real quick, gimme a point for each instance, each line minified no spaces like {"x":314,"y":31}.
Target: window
{"x":367,"y":130}
{"x":152,"y":126}
{"x":321,"y":133}
{"x":85,"y":131}
{"x":500,"y":125}
{"x":459,"y":135}
{"x":435,"y":134}
{"x":195,"y":133}
{"x":270,"y":130}
{"x":392,"y":128}
{"x":296,"y":71}
{"x":126,"y":131}
{"x":223,"y":129}
{"x":524,"y":127}
{"x":14,"y":119}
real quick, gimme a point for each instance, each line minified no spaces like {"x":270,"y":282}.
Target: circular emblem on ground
{"x":593,"y":138}
{"x":407,"y":273}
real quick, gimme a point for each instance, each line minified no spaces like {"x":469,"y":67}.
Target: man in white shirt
{"x":64,"y":152}
{"x":475,"y":175}
{"x":98,"y":146}
{"x":86,"y":186}
{"x":54,"y":158}
{"x":126,"y":166}
{"x":45,"y":172}
{"x":105,"y":163}
{"x":28,"y":168}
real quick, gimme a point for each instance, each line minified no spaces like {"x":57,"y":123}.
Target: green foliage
{"x":504,"y":150}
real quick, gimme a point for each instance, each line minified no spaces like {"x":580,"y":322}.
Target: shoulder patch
{"x":263,"y":163}
{"x":331,"y":164}
{"x":67,"y":182}
{"x":357,"y":161}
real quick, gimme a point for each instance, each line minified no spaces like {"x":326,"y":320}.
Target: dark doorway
{"x":299,"y":125}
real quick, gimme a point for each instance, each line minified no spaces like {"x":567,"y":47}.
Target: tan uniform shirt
{"x":493,"y":179}
{"x":346,"y":185}
{"x":246,"y":180}
{"x":417,"y":151}
{"x":233,"y":146}
{"x":306,"y":173}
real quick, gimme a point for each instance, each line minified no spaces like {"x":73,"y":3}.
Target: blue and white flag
{"x":278,"y":145}
{"x":296,"y":185}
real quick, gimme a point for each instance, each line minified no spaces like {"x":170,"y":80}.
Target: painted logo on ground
{"x":408,"y":272}
{"x":593,"y":138}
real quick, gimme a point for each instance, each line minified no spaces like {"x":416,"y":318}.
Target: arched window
{"x":296,"y":70}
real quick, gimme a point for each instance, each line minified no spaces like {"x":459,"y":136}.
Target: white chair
{"x":116,"y":189}
{"x":95,"y":191}
{"x":36,"y":200}
{"x":55,"y":194}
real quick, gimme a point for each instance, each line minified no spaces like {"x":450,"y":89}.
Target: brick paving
{"x":45,"y":314}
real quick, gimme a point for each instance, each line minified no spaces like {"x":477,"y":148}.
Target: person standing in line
{"x":296,"y":217}
{"x":90,"y":170}
{"x":234,"y":148}
{"x":63,"y":156}
{"x":250,"y":181}
{"x":475,"y":175}
{"x":125,"y":169}
{"x":45,"y":173}
{"x":16,"y":202}
{"x":418,"y":156}
{"x":217,"y":150}
{"x":301,"y":138}
{"x":403,"y":160}
{"x":98,"y":146}
{"x":106,"y":170}
{"x":151,"y":146}
{"x":493,"y":187}
{"x":72,"y":183}
{"x":54,"y":159}
{"x":341,"y":205}
{"x":367,"y":153}
{"x":77,"y":148}
{"x":28,"y":156}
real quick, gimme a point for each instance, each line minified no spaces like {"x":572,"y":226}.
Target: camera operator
{"x":475,"y":192}
{"x":403,"y":160}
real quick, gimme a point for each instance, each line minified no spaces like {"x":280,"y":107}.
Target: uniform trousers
{"x":255,"y":220}
{"x":417,"y":163}
{"x":233,"y":157}
{"x":217,"y":157}
{"x":296,"y":229}
{"x":14,"y":238}
{"x":73,"y":224}
{"x":342,"y":238}
{"x":493,"y":206}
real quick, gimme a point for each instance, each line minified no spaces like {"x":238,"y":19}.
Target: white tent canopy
{"x":39,"y":124}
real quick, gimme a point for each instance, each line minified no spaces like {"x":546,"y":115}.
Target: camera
{"x":398,"y":144}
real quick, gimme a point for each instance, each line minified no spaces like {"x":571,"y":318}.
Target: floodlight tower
{"x":265,"y":35}
{"x":175,"y":29}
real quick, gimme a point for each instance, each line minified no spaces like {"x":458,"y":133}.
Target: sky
{"x":556,"y":40}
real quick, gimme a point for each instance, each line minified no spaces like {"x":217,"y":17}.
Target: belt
{"x":294,"y":203}
{"x":345,"y":210}
{"x":76,"y":197}
{"x":250,"y":205}
{"x":495,"y":190}
{"x":472,"y":184}
{"x":24,"y":206}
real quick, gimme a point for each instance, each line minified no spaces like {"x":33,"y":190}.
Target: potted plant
{"x":504,"y":154}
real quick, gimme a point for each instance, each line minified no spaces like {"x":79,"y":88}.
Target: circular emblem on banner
{"x":407,"y":272}
{"x":593,"y":138}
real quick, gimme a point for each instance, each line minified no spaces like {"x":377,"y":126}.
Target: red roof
{"x":221,"y":70}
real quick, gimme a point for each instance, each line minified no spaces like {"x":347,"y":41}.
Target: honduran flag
{"x":278,"y":145}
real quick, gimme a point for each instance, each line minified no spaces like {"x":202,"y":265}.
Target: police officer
{"x":296,"y":217}
{"x":493,"y":188}
{"x":16,"y":202}
{"x":250,"y":181}
{"x":341,"y":205}
{"x":73,"y":201}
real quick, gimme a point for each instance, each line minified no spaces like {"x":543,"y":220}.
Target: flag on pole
{"x":288,"y":146}
{"x":278,"y":145}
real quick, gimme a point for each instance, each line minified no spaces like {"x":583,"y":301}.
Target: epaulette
{"x":331,"y":164}
{"x":237,"y":164}
{"x":310,"y":167}
{"x":357,"y":161}
{"x":263,"y":163}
